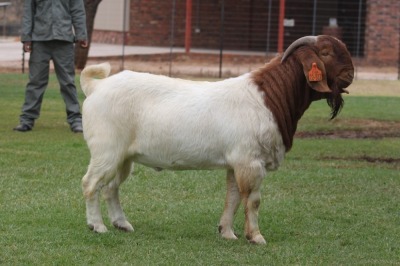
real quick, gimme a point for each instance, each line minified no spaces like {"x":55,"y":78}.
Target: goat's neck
{"x":286,"y":94}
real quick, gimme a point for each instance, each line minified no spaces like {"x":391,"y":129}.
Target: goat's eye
{"x":325,"y":52}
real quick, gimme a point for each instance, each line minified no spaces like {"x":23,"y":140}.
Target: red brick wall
{"x":150,"y":24}
{"x":104,"y":36}
{"x":382,"y":31}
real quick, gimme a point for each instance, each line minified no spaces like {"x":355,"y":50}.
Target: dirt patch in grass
{"x":357,"y":129}
{"x":379,"y":160}
{"x":375,"y":160}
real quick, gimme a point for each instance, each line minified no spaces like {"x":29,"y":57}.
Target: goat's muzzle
{"x":344,"y":80}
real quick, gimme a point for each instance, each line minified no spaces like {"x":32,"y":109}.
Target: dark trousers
{"x":62,"y":54}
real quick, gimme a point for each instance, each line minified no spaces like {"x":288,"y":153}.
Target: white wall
{"x":110,"y":15}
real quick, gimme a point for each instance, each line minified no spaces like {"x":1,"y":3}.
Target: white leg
{"x":232,"y":202}
{"x":93,"y":214}
{"x":92,"y":182}
{"x":111,"y":194}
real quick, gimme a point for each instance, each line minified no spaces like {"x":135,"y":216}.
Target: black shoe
{"x":22,"y":128}
{"x":77,"y":128}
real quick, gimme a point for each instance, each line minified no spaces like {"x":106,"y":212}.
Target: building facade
{"x":370,"y":28}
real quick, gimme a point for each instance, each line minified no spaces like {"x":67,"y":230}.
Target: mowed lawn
{"x":334,"y":201}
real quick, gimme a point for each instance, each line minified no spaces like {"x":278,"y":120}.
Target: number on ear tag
{"x":315,"y":74}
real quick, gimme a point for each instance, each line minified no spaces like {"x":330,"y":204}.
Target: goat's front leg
{"x":249,"y":180}
{"x":252,"y":231}
{"x":232,"y":203}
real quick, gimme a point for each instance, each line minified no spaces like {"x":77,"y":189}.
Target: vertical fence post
{"x":314,"y":17}
{"x":188,"y":29}
{"x":281,"y":30}
{"x":197,"y":26}
{"x":268,"y":26}
{"x":124,"y":16}
{"x":221,"y":37}
{"x":359,"y":28}
{"x":358,"y":37}
{"x":398,"y":57}
{"x":172,"y":36}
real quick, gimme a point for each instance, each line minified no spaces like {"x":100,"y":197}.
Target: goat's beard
{"x":335,"y":101}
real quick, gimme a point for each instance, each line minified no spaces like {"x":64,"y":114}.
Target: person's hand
{"x":83,"y":43}
{"x":27,"y":47}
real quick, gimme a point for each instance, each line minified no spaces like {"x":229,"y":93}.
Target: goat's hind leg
{"x":232,"y":203}
{"x":99,"y":174}
{"x":111,"y":195}
{"x":91,"y":192}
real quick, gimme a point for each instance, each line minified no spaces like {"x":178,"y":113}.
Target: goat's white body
{"x":177,"y":124}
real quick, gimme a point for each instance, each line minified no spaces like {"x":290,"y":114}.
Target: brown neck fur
{"x":286,"y":94}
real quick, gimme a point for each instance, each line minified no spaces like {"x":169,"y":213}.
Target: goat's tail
{"x":90,"y":76}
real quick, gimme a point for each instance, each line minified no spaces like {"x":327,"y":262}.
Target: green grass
{"x":355,"y":108}
{"x":324,"y":206}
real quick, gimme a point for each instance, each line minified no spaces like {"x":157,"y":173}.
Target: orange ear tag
{"x":314,"y":74}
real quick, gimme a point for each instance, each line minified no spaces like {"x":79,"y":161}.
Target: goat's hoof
{"x":227,"y":233}
{"x":229,"y":236}
{"x":98,"y":228}
{"x":258,"y":239}
{"x":123,"y":226}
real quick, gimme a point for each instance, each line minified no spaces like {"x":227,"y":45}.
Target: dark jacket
{"x":45,"y":20}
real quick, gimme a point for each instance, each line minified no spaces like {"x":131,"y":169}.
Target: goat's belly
{"x":180,"y":162}
{"x":181,"y":147}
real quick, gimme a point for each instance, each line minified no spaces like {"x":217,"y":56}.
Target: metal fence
{"x":265,"y":27}
{"x":226,"y":34}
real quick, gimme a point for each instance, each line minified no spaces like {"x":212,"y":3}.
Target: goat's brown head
{"x":331,"y":57}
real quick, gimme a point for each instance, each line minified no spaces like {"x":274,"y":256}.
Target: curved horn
{"x":306,"y":40}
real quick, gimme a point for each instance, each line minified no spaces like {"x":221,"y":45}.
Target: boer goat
{"x":243,"y":124}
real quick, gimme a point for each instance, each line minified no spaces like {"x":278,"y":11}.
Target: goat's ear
{"x":315,"y":73}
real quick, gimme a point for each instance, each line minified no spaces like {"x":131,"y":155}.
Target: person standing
{"x":49,"y":30}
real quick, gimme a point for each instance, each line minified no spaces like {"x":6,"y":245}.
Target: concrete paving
{"x":11,"y":50}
